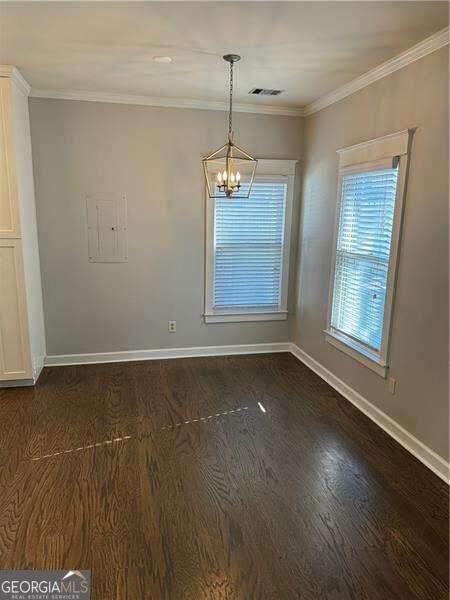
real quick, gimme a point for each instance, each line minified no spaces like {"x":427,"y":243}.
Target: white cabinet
{"x":9,"y":205}
{"x":15,"y":360}
{"x":22,"y":337}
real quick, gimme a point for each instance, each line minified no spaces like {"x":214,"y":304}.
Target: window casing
{"x":367,"y":236}
{"x":248,"y":247}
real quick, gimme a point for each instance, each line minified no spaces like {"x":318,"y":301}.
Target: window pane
{"x":358,"y":301}
{"x":362,"y":254}
{"x":367,"y":212}
{"x":249,"y":236}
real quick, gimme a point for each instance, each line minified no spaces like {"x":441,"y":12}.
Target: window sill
{"x":362,"y":355}
{"x":241,"y":318}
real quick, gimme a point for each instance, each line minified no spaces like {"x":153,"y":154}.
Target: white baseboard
{"x":38,"y":365}
{"x":106,"y":357}
{"x":427,"y":456}
{"x":17,"y":383}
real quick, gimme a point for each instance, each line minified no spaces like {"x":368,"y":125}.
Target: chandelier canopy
{"x":229,"y":170}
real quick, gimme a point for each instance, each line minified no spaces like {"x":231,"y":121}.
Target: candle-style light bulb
{"x":238,"y":177}
{"x":224,"y":175}
{"x":219,"y":177}
{"x":232,"y":177}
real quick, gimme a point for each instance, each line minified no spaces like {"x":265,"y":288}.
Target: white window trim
{"x":381,"y":153}
{"x":265,"y":169}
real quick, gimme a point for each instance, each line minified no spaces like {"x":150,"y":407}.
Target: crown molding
{"x":16,"y":76}
{"x":416,"y":52}
{"x":426,"y":46}
{"x":165,"y":102}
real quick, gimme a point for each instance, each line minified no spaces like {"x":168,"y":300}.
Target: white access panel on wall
{"x":107,"y":228}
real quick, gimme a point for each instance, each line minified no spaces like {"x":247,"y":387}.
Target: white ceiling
{"x":304,"y":48}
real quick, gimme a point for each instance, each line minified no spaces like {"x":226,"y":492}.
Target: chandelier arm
{"x":246,"y":154}
{"x":214,"y":153}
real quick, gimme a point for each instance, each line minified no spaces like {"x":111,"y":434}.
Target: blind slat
{"x":248,"y":239}
{"x":364,"y":235}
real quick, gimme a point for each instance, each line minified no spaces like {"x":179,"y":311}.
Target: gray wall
{"x":414,"y":96}
{"x":152,"y":154}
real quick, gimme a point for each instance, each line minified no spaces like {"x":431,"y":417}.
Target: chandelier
{"x":230,"y":170}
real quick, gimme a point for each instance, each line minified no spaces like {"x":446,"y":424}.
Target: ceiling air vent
{"x":264,"y":92}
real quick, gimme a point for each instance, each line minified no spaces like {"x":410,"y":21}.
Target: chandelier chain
{"x":230,"y":114}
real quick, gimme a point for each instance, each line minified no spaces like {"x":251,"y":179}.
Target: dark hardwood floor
{"x":169,"y":482}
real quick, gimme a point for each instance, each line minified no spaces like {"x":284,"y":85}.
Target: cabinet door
{"x":15,"y":359}
{"x":9,"y":205}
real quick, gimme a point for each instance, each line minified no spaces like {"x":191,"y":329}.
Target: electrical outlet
{"x":172,"y":326}
{"x":392,"y":384}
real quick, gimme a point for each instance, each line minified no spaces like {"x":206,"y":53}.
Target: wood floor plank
{"x":169,"y":482}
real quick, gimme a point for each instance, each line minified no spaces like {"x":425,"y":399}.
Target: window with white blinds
{"x":248,"y":240}
{"x":249,"y":253}
{"x":365,"y":226}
